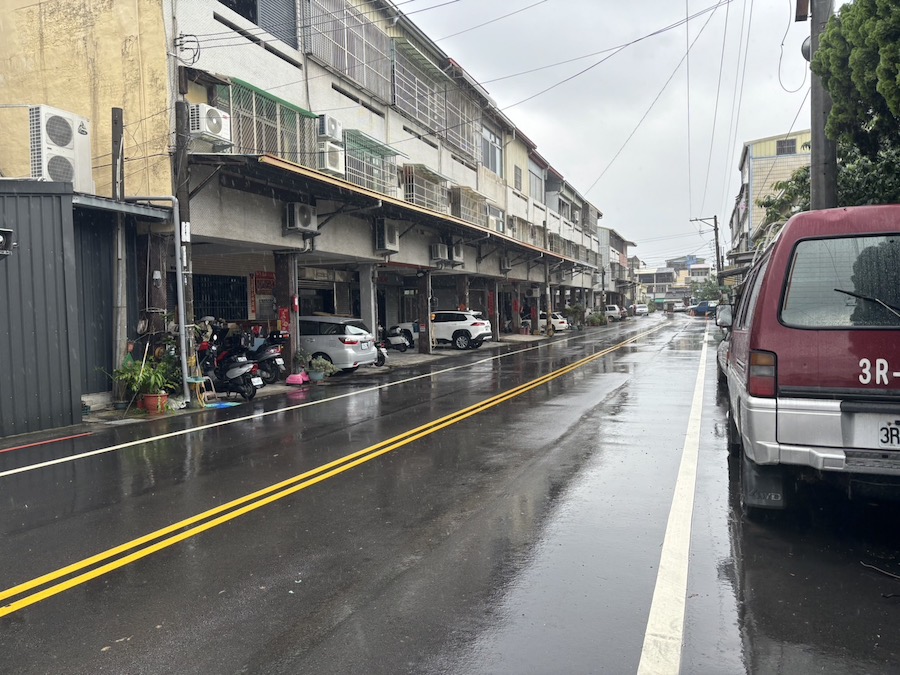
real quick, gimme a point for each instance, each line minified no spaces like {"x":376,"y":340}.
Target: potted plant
{"x":154,"y":383}
{"x":319,"y":368}
{"x":126,"y":382}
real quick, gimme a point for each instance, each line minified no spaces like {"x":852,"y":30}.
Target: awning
{"x":354,"y":138}
{"x":424,"y":170}
{"x":410,"y":51}
{"x":127,"y":208}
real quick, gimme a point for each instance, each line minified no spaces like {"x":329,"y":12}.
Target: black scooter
{"x":268,"y":357}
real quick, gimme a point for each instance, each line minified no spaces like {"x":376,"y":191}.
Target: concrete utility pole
{"x":823,"y":152}
{"x":715,"y":220}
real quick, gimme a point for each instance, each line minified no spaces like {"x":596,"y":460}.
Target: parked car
{"x":704,"y":308}
{"x":641,"y":310}
{"x":462,"y":329}
{"x":615,"y":313}
{"x":813,"y":368}
{"x":557,"y":320}
{"x":346,"y":342}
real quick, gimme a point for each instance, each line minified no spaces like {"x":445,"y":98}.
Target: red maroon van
{"x":813,"y":369}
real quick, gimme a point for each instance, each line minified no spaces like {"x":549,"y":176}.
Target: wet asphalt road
{"x":511,"y":534}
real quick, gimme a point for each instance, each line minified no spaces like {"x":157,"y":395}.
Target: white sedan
{"x":557,"y":320}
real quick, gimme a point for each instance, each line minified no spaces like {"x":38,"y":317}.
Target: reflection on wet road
{"x":505,"y":515}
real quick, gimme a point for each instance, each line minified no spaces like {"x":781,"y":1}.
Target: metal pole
{"x":179,"y":284}
{"x":718,"y":250}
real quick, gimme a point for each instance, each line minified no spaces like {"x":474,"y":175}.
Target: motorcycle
{"x":394,"y":339}
{"x":268,"y":357}
{"x":381,"y":353}
{"x":227,"y":364}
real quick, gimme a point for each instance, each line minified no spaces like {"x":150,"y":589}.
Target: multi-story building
{"x":617,"y":280}
{"x":763,"y":163}
{"x":660,"y":283}
{"x":323,"y":155}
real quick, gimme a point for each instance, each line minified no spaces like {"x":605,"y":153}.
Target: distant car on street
{"x":615,"y":313}
{"x":557,"y":320}
{"x":641,"y":310}
{"x":705,"y":308}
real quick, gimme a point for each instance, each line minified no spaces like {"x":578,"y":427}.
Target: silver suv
{"x":462,"y":329}
{"x":347,"y":343}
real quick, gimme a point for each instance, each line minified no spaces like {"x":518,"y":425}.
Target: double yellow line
{"x":97,"y":565}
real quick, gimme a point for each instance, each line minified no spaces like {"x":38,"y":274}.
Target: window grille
{"x":517,"y":178}
{"x":786,"y":146}
{"x":370,"y":164}
{"x":262,"y":124}
{"x":463,"y":122}
{"x":468,"y":205}
{"x":424,"y":188}
{"x":417,"y":91}
{"x":343,"y":37}
{"x":220,"y":296}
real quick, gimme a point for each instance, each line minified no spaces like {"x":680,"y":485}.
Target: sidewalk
{"x":395,"y":360}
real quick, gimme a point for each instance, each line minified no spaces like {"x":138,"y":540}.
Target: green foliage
{"x":575,"y":314}
{"x":150,"y":377}
{"x":323,"y":365}
{"x":708,"y":290}
{"x":597,"y":319}
{"x":858,"y":60}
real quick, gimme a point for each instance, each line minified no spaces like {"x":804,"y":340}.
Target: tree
{"x":707,"y":290}
{"x":858,"y":60}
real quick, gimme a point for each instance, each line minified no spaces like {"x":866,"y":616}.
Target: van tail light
{"x":349,"y":341}
{"x":477,"y":323}
{"x":762,"y":376}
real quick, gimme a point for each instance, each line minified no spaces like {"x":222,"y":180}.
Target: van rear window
{"x":844,"y":282}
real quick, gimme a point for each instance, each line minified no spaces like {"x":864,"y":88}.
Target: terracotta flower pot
{"x":155,"y":404}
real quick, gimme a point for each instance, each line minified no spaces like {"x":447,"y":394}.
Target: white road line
{"x":665,"y":626}
{"x":259,"y":415}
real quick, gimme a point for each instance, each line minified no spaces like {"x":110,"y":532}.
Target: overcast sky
{"x":681,"y":162}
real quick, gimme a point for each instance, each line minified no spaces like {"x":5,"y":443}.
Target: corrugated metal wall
{"x":94,"y":241}
{"x":39,"y":345}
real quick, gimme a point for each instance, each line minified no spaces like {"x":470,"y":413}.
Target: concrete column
{"x":367,"y":300}
{"x":462,"y":291}
{"x":424,"y":339}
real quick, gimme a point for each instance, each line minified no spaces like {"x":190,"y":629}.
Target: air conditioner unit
{"x":330,"y":128}
{"x":597,"y":279}
{"x":387,"y":236}
{"x":61,"y":147}
{"x":457,"y":254}
{"x":331,"y":158}
{"x":439,"y":252}
{"x":210,"y":124}
{"x":301,"y":218}
{"x":533,"y":293}
{"x":505,"y":264}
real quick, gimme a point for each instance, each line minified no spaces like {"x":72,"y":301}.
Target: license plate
{"x":279,"y":361}
{"x":365,"y":345}
{"x":889,"y":435}
{"x":257,"y":382}
{"x":241,"y":359}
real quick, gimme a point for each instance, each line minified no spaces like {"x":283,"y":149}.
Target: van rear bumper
{"x":759,"y":426}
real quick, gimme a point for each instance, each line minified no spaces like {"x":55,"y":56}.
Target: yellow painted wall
{"x":516,"y":155}
{"x":88,"y":56}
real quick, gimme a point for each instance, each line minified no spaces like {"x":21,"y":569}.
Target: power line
{"x":687,"y":58}
{"x":447,"y":37}
{"x":658,"y":95}
{"x":712,"y":139}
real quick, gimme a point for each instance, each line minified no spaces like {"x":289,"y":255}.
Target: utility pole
{"x":715,"y":220}
{"x":120,"y":310}
{"x":823,"y":152}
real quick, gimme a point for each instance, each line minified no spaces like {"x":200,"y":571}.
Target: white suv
{"x":464,"y":330}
